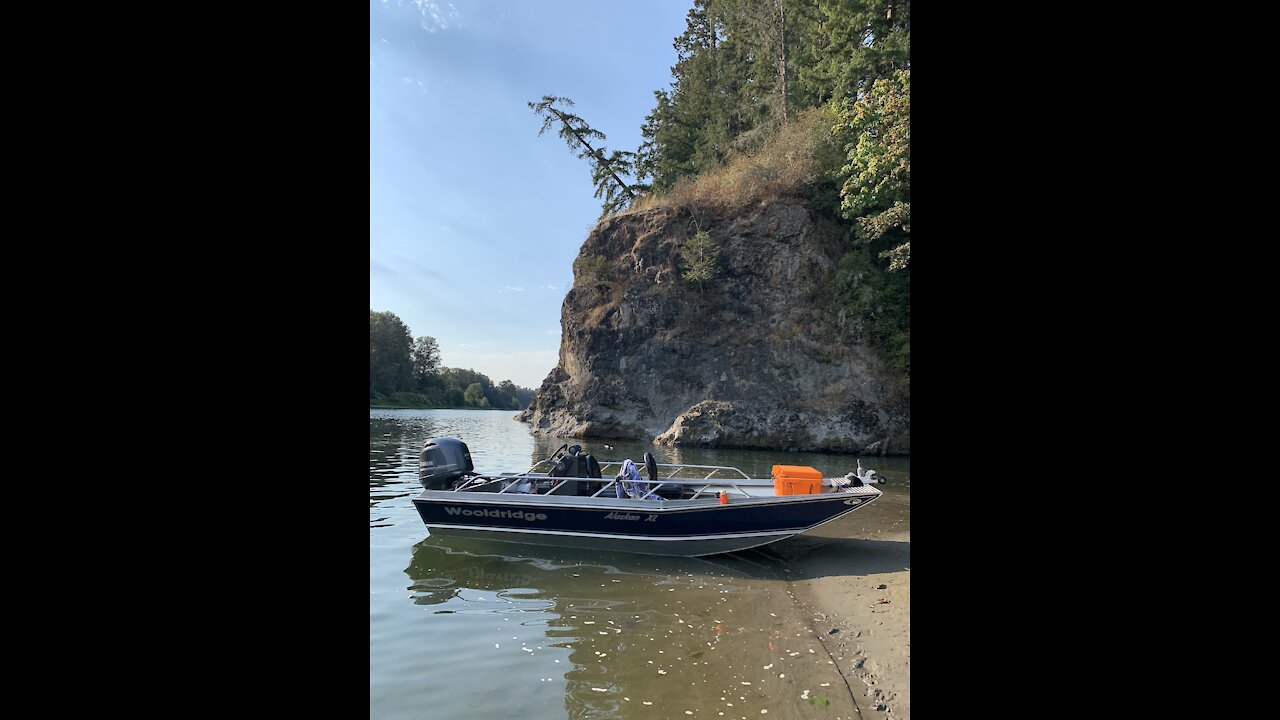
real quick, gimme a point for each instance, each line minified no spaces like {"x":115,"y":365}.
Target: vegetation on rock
{"x":700,"y":256}
{"x":783,"y":144}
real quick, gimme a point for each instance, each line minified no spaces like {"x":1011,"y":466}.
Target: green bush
{"x":591,"y":271}
{"x":700,"y":258}
{"x":875,"y":304}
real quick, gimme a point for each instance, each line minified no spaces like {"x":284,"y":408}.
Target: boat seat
{"x":577,"y":466}
{"x":669,"y":491}
{"x":593,"y":471}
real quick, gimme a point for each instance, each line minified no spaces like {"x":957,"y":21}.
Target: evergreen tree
{"x":693,"y":126}
{"x":701,"y":258}
{"x":606,"y":173}
{"x":846,"y":45}
{"x":744,"y":66}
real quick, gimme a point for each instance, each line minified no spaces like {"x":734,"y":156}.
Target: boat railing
{"x":676,"y":468}
{"x":703,"y":484}
{"x":708,"y":483}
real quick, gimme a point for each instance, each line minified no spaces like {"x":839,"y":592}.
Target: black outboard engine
{"x":443,"y":460}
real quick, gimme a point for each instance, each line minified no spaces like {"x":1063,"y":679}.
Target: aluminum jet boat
{"x":571,"y":500}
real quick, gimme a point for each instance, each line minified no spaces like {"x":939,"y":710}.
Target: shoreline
{"x":424,"y":407}
{"x":853,"y":583}
{"x":873,"y":646}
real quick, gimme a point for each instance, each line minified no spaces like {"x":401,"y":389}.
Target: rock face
{"x":755,"y":358}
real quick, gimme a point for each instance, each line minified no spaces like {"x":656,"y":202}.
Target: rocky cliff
{"x":755,"y":358}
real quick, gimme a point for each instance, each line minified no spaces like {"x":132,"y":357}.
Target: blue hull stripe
{"x":745,"y":519}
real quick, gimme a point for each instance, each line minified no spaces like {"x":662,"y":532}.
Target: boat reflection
{"x":625,"y":620}
{"x":441,"y":566}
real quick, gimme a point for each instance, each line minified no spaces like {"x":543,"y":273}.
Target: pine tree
{"x":617,"y":194}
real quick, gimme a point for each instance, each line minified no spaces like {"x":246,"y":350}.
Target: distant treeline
{"x":406,"y":373}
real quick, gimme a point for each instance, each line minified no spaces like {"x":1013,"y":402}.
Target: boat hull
{"x":674,"y":528}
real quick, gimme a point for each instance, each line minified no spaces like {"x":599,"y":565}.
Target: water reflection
{"x":670,"y":632}
{"x":488,"y":565}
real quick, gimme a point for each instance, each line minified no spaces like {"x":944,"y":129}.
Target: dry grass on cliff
{"x":800,"y":155}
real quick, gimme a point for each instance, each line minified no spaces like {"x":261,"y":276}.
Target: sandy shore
{"x":854,"y":580}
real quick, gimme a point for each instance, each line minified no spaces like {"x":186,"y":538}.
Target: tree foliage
{"x":743,"y":66}
{"x":390,"y":366}
{"x":591,"y":271}
{"x":607,"y":173}
{"x":426,"y":358}
{"x":846,"y":45}
{"x":692,"y":127}
{"x":747,"y":74}
{"x":410,"y":373}
{"x":743,"y":69}
{"x":877,"y":186}
{"x":474,"y":396}
{"x":700,"y":258}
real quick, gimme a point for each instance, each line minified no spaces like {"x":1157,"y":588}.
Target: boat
{"x":683,"y":510}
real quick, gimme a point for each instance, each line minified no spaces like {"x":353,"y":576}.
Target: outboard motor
{"x":443,"y":460}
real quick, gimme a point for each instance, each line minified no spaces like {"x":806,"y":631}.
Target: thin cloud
{"x":398,"y":264}
{"x":411,"y":81}
{"x":434,"y":17}
{"x":381,"y":268}
{"x":511,"y":289}
{"x":547,"y":287}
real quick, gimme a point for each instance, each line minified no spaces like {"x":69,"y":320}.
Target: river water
{"x":477,"y":629}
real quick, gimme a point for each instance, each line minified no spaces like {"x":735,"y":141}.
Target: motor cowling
{"x":442,"y":461}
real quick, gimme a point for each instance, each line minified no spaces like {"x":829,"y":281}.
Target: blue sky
{"x":475,"y":220}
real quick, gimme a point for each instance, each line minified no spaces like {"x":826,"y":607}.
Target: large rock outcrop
{"x":756,"y":358}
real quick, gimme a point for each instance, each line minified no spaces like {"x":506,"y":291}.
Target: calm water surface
{"x":473,"y":629}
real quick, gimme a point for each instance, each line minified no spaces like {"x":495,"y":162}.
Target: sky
{"x":475,"y":219}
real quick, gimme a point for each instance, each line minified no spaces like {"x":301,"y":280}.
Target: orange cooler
{"x":796,"y":480}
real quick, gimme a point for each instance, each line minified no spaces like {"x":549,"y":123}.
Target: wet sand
{"x":853,"y":579}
